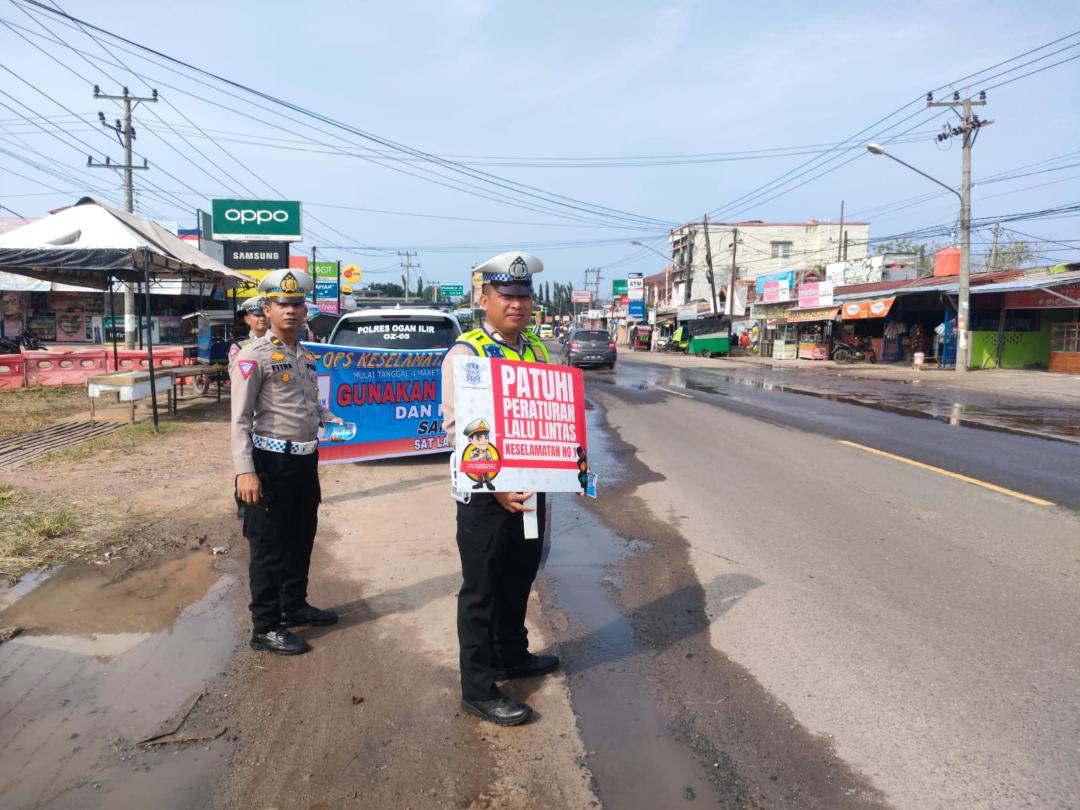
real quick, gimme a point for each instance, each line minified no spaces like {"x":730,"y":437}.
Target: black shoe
{"x":502,"y":711}
{"x":309,"y":615}
{"x":279,"y":640}
{"x":533,"y":666}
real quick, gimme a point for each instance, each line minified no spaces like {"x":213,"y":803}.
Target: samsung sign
{"x":256,"y":220}
{"x":256,"y":255}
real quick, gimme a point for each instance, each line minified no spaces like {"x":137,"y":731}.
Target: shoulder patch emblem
{"x":246,"y":367}
{"x":277,"y":356}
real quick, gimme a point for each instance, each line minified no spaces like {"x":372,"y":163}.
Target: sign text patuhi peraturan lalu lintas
{"x":538,"y":403}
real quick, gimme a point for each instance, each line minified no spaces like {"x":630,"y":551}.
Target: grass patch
{"x":32,"y":534}
{"x":127,"y":438}
{"x":31,"y":408}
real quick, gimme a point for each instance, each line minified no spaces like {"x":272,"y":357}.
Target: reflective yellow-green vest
{"x":485,"y":346}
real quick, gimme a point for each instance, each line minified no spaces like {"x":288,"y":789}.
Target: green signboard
{"x":452,"y":290}
{"x":323,"y":271}
{"x":618,"y":287}
{"x":256,"y":220}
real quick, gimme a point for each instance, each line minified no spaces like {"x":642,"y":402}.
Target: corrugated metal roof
{"x":880,"y":289}
{"x":1030,"y":283}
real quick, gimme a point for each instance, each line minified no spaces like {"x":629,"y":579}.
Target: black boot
{"x":308,"y":615}
{"x":280,"y":641}
{"x":502,"y":711}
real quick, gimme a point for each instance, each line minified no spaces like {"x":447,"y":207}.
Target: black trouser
{"x":281,"y":530}
{"x":498,"y":566}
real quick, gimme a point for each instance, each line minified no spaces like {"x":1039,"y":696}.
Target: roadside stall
{"x":814,"y":327}
{"x":93,"y":245}
{"x":866,"y":321}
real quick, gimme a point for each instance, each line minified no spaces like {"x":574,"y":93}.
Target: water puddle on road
{"x":1045,"y":420}
{"x":634,"y":757}
{"x":106,"y":656}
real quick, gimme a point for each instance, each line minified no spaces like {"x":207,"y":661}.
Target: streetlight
{"x":668,"y":259}
{"x":963,"y":304}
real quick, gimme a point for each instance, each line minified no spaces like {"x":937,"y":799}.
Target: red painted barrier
{"x":57,"y":368}
{"x":139,"y":360}
{"x":12,"y":371}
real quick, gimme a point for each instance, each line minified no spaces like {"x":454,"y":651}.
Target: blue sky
{"x":556,"y":80}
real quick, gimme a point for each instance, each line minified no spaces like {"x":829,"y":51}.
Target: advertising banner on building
{"x":391,"y":401}
{"x":520,"y":427}
{"x":1041,"y":299}
{"x":785,"y":277}
{"x":816,"y":294}
{"x":256,"y":220}
{"x":860,"y":310}
{"x":618,"y":287}
{"x":776,"y":292}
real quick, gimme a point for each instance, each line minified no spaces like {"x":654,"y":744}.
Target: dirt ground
{"x":370,"y":718}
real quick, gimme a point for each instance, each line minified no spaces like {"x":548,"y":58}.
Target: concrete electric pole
{"x":709,"y":267}
{"x":407,"y":264}
{"x":126,"y":133}
{"x":734,"y":271}
{"x":968,"y":129}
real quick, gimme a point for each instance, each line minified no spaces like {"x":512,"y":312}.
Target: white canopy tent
{"x":93,"y":245}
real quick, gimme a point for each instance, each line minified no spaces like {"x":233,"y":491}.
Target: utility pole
{"x":709,"y":268}
{"x":968,"y":129}
{"x":407,"y":264}
{"x":734,"y":269}
{"x":126,"y":134}
{"x":840,"y":238}
{"x":991,"y":264}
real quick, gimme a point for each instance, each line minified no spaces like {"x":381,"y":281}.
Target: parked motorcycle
{"x":863,"y":351}
{"x":24,"y":340}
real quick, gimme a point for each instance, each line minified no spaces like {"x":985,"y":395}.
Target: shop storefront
{"x":867,"y":320}
{"x":1028,"y":323}
{"x":814,"y":328}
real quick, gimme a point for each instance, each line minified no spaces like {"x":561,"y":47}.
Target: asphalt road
{"x":925,"y":626}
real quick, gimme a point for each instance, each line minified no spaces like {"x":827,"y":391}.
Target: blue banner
{"x":391,"y":402}
{"x":761,"y":281}
{"x":636,"y":309}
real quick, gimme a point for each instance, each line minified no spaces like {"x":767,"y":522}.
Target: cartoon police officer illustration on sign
{"x":480,"y":461}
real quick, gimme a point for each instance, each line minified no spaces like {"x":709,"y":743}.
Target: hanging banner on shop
{"x":815,"y":294}
{"x":520,"y":427}
{"x":1041,"y":299}
{"x":811,"y":314}
{"x":391,"y":401}
{"x":859,"y":310}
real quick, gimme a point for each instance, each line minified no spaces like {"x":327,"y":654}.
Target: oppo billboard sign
{"x":256,"y":220}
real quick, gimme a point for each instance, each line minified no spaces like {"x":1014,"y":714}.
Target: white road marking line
{"x":958,"y":476}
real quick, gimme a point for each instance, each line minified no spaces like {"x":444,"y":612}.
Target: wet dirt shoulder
{"x":371,"y":718}
{"x":754,"y":751}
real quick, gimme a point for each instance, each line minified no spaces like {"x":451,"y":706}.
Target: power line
{"x":485,"y":177}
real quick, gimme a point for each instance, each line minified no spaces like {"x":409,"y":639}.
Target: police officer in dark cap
{"x":498,"y":562}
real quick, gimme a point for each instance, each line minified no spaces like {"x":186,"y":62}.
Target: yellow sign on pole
{"x":346,"y":289}
{"x":351,"y":273}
